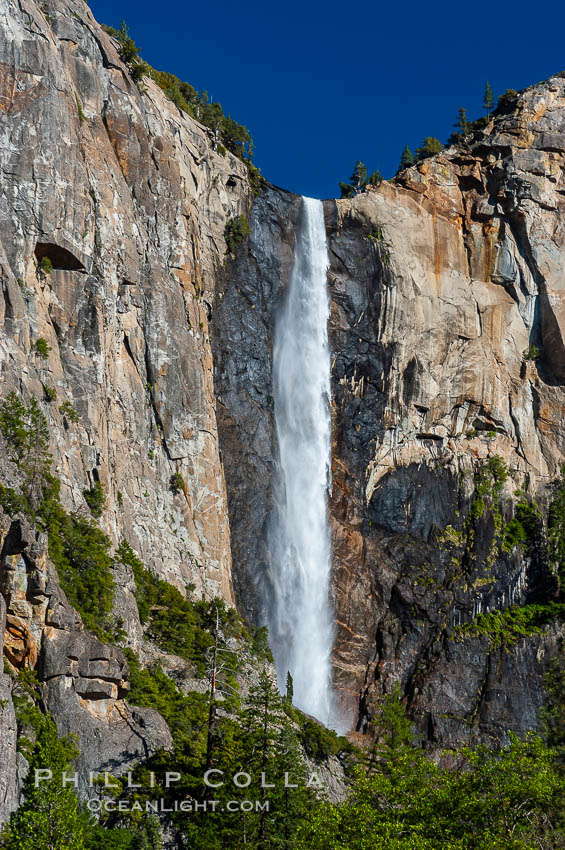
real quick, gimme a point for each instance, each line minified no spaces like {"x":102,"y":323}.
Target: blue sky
{"x":322,"y":84}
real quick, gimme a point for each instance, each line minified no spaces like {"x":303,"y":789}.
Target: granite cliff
{"x":442,"y":283}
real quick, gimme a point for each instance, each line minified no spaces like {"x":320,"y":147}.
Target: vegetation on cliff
{"x":228,"y":133}
{"x":507,"y":797}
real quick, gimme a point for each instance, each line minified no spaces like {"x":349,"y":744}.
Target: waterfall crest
{"x":300,"y":615}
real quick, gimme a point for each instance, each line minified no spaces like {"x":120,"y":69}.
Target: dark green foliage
{"x":81,"y":554}
{"x":67,"y":410}
{"x":406,"y":159}
{"x":185,"y":714}
{"x":174,"y":622}
{"x":511,"y":624}
{"x":358,"y":177}
{"x":15,"y":425}
{"x":489,"y":481}
{"x":359,"y":181}
{"x":490,"y":478}
{"x":143,"y":834}
{"x":129,"y":51}
{"x":319,"y":742}
{"x":26,"y":432}
{"x":78,"y":548}
{"x":269,"y":746}
{"x":289,"y":690}
{"x":50,"y":393}
{"x":50,"y":816}
{"x":524,"y":527}
{"x":255,"y":178}
{"x":260,"y":646}
{"x":488,"y":98}
{"x":462,"y":122}
{"x":532,"y":353}
{"x":556,"y":529}
{"x":347,"y":191}
{"x":236,"y":231}
{"x":183,"y":95}
{"x":41,"y":346}
{"x":495,"y":800}
{"x":177,"y":483}
{"x":553,"y":712}
{"x":138,"y":70}
{"x":95,"y":498}
{"x":429,"y":147}
{"x":507,"y":101}
{"x":374,"y":179}
{"x":46,"y":265}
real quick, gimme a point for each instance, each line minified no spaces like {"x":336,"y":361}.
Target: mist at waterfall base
{"x":299,"y":613}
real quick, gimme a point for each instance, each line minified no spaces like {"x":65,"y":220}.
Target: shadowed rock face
{"x":439,"y":284}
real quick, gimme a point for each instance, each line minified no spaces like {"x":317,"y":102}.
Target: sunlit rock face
{"x":127,"y":198}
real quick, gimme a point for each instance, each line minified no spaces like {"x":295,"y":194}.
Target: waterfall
{"x":300,"y":617}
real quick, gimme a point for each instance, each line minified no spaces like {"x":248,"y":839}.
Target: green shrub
{"x":509,"y":625}
{"x":176,"y":483}
{"x":95,"y":498}
{"x":532,"y":353}
{"x":50,"y":393}
{"x":42,"y":347}
{"x":26,"y":432}
{"x":556,"y":528}
{"x":507,"y":101}
{"x":67,"y":410}
{"x":81,"y":115}
{"x":429,"y":147}
{"x":230,"y":135}
{"x":80,"y":552}
{"x":236,"y":231}
{"x":523,"y":528}
{"x":256,"y":179}
{"x":46,"y":265}
{"x":176,"y":623}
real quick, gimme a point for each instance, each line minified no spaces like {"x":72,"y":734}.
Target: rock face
{"x":439,"y":285}
{"x":128,"y":200}
{"x":84,"y":681}
{"x":8,"y":736}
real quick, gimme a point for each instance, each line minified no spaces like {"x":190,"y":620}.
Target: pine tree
{"x":429,"y":147}
{"x":406,"y":159}
{"x":271,"y":750}
{"x":462,"y":123}
{"x":488,"y":99}
{"x":289,"y":688}
{"x":49,"y":818}
{"x":26,"y":432}
{"x":347,"y":190}
{"x":359,"y":177}
{"x":375,"y":179}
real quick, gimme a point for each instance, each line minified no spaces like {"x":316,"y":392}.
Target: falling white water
{"x":300,"y":619}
